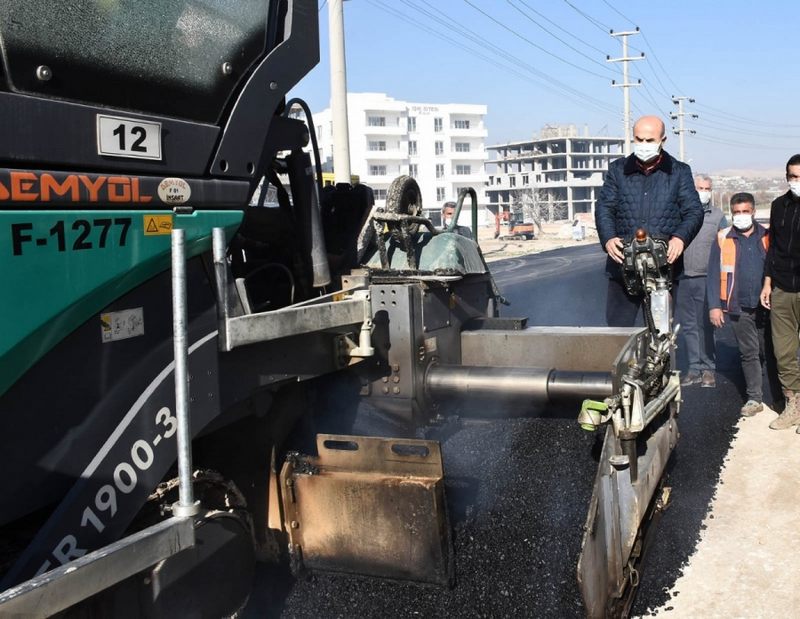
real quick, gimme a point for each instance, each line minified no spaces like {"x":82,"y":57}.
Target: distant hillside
{"x":767,"y":173}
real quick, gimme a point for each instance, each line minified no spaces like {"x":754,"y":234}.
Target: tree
{"x":531,"y":204}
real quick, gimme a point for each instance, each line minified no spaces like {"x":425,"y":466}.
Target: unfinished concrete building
{"x":557,"y":175}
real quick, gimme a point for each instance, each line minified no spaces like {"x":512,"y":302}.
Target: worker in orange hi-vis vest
{"x":735,"y":277}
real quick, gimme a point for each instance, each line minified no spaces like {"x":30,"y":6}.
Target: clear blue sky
{"x":737,"y":59}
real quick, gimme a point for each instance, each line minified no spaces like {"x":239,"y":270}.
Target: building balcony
{"x":476,"y":132}
{"x":391,"y":130}
{"x":377,"y":181}
{"x":590,"y":170}
{"x":585,"y":182}
{"x":535,"y":155}
{"x":376,"y":156}
{"x":471,"y":155}
{"x":468,"y":179}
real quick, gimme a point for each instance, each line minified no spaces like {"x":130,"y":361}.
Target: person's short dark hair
{"x":793,"y":160}
{"x":448,"y":205}
{"x":743,"y":197}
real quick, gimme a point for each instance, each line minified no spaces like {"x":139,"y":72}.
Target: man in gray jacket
{"x":691,"y":307}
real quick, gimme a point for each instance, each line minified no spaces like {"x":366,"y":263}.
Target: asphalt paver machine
{"x":180,"y":298}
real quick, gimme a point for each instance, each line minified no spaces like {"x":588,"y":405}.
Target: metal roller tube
{"x":520,"y":385}
{"x":561,"y":384}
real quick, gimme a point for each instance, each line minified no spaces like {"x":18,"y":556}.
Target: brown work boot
{"x":708,"y":379}
{"x":692,"y":377}
{"x":751,"y":407}
{"x":790,"y":415}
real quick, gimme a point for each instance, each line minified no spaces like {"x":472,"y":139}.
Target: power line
{"x":527,"y":40}
{"x":649,"y":95}
{"x":735,"y":144}
{"x":322,"y":6}
{"x":662,"y":89}
{"x":564,"y":30}
{"x":448,"y":22}
{"x":714,"y":125}
{"x":596,"y":23}
{"x":655,"y":57}
{"x":579,"y":98}
{"x":613,"y":8}
{"x":716,"y":112}
{"x":650,"y":47}
{"x":576,"y":50}
{"x":443,"y":36}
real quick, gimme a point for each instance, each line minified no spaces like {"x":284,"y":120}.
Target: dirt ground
{"x":746,"y":562}
{"x":555,"y":236}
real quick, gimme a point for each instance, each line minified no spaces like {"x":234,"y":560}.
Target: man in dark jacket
{"x":781,"y":292}
{"x":735,"y":275}
{"x":448,"y":212}
{"x":650,"y":189}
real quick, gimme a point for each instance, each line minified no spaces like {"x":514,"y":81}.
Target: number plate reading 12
{"x":128,"y":137}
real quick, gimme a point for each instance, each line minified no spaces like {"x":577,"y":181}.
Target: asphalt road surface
{"x":518,"y":490}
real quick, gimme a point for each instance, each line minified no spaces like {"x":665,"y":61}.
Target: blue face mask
{"x":645,"y":151}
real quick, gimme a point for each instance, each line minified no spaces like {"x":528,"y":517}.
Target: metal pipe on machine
{"x":186,"y":505}
{"x":518,"y":386}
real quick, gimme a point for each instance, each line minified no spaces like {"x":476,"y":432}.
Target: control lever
{"x":646,"y":272}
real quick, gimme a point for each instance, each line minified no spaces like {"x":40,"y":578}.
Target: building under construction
{"x":554,"y":176}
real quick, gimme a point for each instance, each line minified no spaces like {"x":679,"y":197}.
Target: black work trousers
{"x":622,"y":309}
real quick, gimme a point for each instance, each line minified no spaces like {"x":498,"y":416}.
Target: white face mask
{"x":795,"y":187}
{"x":742,"y":221}
{"x":705,"y":197}
{"x":645,"y":151}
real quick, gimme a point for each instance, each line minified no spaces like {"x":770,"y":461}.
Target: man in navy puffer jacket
{"x":650,"y":189}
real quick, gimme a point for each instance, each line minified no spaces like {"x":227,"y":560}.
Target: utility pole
{"x":681,"y":129}
{"x":341,"y":132}
{"x":625,"y":85}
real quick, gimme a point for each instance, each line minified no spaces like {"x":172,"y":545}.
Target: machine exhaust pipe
{"x":305,"y":195}
{"x":516,"y":387}
{"x":319,"y":256}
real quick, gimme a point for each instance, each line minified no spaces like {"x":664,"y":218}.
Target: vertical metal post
{"x":219,"y":250}
{"x":625,"y":85}
{"x":186,"y":505}
{"x":341,"y":132}
{"x":626,"y":97}
{"x":681,"y":130}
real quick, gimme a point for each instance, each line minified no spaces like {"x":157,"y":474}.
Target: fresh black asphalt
{"x":518,"y":490}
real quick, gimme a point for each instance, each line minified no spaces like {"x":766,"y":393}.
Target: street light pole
{"x":341,"y":131}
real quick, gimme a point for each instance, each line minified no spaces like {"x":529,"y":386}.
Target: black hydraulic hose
{"x":311,"y":132}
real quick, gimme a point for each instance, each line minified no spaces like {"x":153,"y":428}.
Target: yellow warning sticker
{"x":157,"y":224}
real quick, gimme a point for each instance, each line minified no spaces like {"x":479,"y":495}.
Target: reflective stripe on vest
{"x":727,"y":263}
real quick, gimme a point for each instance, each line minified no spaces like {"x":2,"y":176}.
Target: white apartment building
{"x":564,"y":171}
{"x":440,"y":144}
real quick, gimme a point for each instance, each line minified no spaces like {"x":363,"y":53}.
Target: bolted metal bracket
{"x":185,"y":511}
